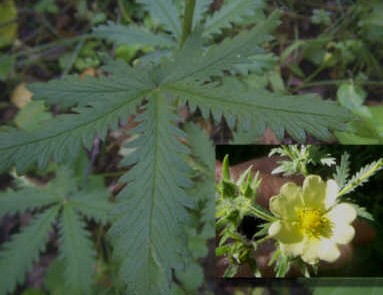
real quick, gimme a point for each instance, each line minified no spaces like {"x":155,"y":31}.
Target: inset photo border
{"x":299,"y":211}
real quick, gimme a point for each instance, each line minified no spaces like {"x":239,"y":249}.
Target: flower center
{"x":313,"y":223}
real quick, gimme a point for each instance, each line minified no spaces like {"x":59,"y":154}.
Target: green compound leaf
{"x":93,"y":204}
{"x":18,"y":255}
{"x":132,"y":35}
{"x":293,"y":114}
{"x":165,"y":13}
{"x":62,"y":138}
{"x":149,"y":231}
{"x":342,"y":170}
{"x":231,"y":12}
{"x":361,"y":177}
{"x":12,"y":202}
{"x":76,"y":251}
{"x":193,"y":63}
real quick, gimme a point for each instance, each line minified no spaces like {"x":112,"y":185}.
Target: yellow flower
{"x":310,"y":221}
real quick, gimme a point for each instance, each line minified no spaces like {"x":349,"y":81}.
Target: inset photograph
{"x":299,"y":211}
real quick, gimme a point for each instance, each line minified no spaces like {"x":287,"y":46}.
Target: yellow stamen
{"x":313,"y":223}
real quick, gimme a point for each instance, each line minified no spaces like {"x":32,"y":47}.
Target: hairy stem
{"x":124,"y":12}
{"x":263,"y":215}
{"x":73,"y":57}
{"x":356,"y":182}
{"x":188,"y":20}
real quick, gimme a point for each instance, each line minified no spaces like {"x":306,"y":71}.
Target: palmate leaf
{"x":64,"y":184}
{"x":132,"y":35}
{"x":165,"y":13}
{"x":260,"y":109}
{"x":192,"y":63}
{"x":18,"y":255}
{"x":230,"y":13}
{"x":93,"y":204}
{"x":148,"y":233}
{"x":77,"y":252}
{"x":12,"y":202}
{"x":75,"y":247}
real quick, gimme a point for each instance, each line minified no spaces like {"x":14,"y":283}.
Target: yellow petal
{"x":294,"y":249}
{"x":287,"y":202}
{"x":275,"y":228}
{"x":310,"y":251}
{"x":315,"y":249}
{"x":342,"y":213}
{"x":314,"y":192}
{"x":328,"y":251}
{"x":343,"y":233}
{"x":332,"y":190}
{"x":285,"y":232}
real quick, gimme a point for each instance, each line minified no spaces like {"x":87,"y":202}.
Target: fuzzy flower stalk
{"x":310,"y":220}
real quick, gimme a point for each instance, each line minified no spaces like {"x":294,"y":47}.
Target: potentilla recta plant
{"x":198,"y":60}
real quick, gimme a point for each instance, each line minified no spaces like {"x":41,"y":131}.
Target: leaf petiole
{"x":188,"y":20}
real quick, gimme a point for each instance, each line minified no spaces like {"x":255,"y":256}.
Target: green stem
{"x":260,"y":241}
{"x":36,"y":49}
{"x":74,"y":57}
{"x":188,"y":20}
{"x":100,"y":233}
{"x":303,"y":170}
{"x":315,"y":73}
{"x":261,"y":214}
{"x":124,"y":12}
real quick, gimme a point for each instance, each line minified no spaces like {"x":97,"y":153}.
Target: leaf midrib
{"x":249,"y":103}
{"x":155,"y":101}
